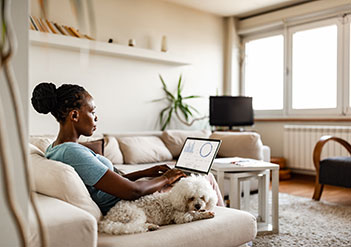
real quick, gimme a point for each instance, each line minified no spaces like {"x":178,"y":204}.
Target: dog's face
{"x":197,"y":203}
{"x":193,"y":193}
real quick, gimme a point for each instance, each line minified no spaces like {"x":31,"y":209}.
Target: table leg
{"x":234,"y":192}
{"x":275,"y":200}
{"x":246,"y":191}
{"x":220,"y":181}
{"x":267,"y":180}
{"x":261,"y":197}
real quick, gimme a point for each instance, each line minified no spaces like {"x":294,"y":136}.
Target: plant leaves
{"x":161,"y":114}
{"x":157,"y":100}
{"x":192,"y":97}
{"x":193,"y":108}
{"x":168,"y":119}
{"x":175,"y":104}
{"x":169,"y":94}
{"x":188,"y":110}
{"x":163,"y":82}
{"x":179,"y":89}
{"x":184,"y":111}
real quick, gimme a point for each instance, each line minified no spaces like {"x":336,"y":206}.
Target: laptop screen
{"x":197,"y":154}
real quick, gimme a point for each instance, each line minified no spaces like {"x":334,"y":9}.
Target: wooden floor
{"x":303,"y":185}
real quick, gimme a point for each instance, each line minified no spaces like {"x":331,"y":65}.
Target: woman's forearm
{"x":154,"y":171}
{"x":135,"y":175}
{"x":123,"y":188}
{"x":147,"y":187}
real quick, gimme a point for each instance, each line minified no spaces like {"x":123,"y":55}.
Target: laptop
{"x":197,"y":155}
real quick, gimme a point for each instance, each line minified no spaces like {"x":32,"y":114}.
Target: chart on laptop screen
{"x":197,"y":154}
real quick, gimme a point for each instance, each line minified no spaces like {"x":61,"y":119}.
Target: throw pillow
{"x":58,"y":180}
{"x":143,"y":149}
{"x":97,"y":146}
{"x":112,"y":151}
{"x":42,"y":142}
{"x":239,"y":144}
{"x":174,"y":139}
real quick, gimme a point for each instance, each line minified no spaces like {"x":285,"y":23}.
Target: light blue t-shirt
{"x":89,"y":166}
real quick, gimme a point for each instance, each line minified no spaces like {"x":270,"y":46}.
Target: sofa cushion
{"x":143,"y":149}
{"x":229,"y":227}
{"x":56,"y":179}
{"x":174,"y":139}
{"x":95,"y":143}
{"x":239,"y":144}
{"x":97,"y":146}
{"x":112,"y":150}
{"x":42,"y":141}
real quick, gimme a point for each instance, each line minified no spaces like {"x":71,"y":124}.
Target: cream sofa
{"x":70,"y":216}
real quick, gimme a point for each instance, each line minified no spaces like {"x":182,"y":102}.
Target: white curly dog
{"x":192,"y":198}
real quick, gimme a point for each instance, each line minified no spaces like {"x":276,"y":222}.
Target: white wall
{"x":123,"y":88}
{"x":8,"y":232}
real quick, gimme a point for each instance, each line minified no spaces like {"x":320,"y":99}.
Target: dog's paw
{"x":152,"y":227}
{"x":207,"y":214}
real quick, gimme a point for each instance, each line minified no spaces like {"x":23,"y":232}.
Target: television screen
{"x":231,"y":111}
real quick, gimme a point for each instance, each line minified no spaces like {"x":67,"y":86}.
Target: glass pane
{"x":314,"y":68}
{"x":264,"y":62}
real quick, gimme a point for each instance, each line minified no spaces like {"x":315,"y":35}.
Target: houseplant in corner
{"x":176,"y":105}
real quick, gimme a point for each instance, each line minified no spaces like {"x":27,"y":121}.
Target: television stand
{"x":236,"y":129}
{"x":233,"y":129}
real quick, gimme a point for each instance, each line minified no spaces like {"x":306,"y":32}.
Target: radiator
{"x":299,"y":142}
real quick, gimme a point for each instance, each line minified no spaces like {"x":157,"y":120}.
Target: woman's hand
{"x":156,"y":171}
{"x":173,"y":175}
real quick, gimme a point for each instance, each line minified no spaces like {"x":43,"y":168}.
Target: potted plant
{"x":177,"y":105}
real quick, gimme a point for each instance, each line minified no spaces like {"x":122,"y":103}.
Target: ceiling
{"x":239,"y":8}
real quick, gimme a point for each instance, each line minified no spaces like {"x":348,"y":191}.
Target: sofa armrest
{"x":239,"y":144}
{"x":266,"y":153}
{"x":65,"y":224}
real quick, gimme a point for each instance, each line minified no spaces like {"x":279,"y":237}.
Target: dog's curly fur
{"x":192,"y":198}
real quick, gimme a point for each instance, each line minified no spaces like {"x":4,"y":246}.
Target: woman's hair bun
{"x":44,"y":98}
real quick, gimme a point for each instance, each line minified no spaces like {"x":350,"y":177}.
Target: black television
{"x":231,"y":111}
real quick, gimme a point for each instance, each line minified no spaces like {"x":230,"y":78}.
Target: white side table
{"x":238,"y":170}
{"x":238,"y":178}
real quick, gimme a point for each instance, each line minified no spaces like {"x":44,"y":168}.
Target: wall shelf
{"x":102,"y":48}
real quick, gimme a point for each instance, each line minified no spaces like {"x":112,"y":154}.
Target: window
{"x":348,"y":61}
{"x":302,"y":71}
{"x":314,"y":68}
{"x":264,"y":60}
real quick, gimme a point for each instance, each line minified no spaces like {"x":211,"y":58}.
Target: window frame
{"x":242,"y":88}
{"x":316,"y":111}
{"x":347,"y":65}
{"x":343,"y":107}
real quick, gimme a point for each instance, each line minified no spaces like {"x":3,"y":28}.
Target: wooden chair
{"x":332,"y":171}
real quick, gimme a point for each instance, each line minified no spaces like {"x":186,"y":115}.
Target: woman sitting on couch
{"x":73,"y":107}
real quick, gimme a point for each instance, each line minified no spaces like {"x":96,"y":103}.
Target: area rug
{"x":305,"y":222}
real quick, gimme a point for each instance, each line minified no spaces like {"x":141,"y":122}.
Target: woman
{"x":74,"y":109}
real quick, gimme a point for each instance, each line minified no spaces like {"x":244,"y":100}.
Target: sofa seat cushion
{"x":65,"y":225}
{"x":174,"y":139}
{"x":59,"y":180}
{"x":336,"y":171}
{"x":239,"y":144}
{"x":229,"y":227}
{"x":143,"y":149}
